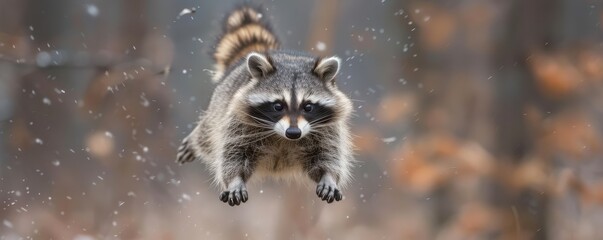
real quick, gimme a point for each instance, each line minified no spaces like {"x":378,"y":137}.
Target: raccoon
{"x":273,"y":113}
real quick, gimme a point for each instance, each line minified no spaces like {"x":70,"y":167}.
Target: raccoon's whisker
{"x":316,"y":126}
{"x":271,"y":119}
{"x":319,"y":126}
{"x":258,"y":119}
{"x":321,"y":119}
{"x":322,"y":125}
{"x":357,"y":100}
{"x":256,"y":138}
{"x":254,"y":117}
{"x":353,"y":114}
{"x":262,"y":123}
{"x":255,"y":134}
{"x":264,"y":137}
{"x":258,"y":125}
{"x":319,"y":134}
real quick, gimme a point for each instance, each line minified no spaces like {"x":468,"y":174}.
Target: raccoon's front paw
{"x":235,"y":194}
{"x":327,"y":190}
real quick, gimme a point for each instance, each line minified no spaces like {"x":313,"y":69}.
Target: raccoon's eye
{"x":309,"y":107}
{"x":277,"y":107}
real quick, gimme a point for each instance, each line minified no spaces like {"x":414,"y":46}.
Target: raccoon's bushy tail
{"x":245,"y":30}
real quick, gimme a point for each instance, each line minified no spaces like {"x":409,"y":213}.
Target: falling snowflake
{"x":186,"y":11}
{"x":321,"y":46}
{"x":7,"y":223}
{"x":389,"y":140}
{"x":92,"y":10}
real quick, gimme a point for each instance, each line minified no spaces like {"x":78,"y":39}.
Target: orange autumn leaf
{"x":556,"y":77}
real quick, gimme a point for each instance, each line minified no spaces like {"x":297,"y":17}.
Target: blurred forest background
{"x":475,"y":119}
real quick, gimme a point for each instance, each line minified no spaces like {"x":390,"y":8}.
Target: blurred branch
{"x":98,"y":63}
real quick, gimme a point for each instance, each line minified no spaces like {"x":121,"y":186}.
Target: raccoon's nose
{"x":293,"y":133}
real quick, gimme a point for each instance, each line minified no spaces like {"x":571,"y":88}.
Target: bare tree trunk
{"x":529,"y":29}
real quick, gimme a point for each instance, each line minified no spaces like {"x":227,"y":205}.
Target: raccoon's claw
{"x":328,"y":192}
{"x":235,"y":195}
{"x":224,"y":196}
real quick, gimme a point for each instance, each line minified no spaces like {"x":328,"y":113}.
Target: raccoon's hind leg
{"x":321,"y":168}
{"x":237,"y":167}
{"x":327,"y":188}
{"x":196,"y":145}
{"x":185,"y":152}
{"x":327,"y":163}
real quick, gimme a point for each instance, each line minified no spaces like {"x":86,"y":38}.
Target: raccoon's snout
{"x":291,"y":130}
{"x":293,"y":133}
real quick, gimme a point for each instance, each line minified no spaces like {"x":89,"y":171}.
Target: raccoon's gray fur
{"x":274,"y":112}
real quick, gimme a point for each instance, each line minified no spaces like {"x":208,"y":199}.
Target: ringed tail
{"x":245,"y":30}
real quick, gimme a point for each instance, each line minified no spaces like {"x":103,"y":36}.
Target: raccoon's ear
{"x":258,"y":65}
{"x":327,"y":68}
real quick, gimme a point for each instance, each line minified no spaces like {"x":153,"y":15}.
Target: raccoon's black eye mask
{"x":269,"y":111}
{"x":272,"y":112}
{"x":318,"y":114}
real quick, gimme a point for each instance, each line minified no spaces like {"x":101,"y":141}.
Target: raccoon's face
{"x":293,"y":95}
